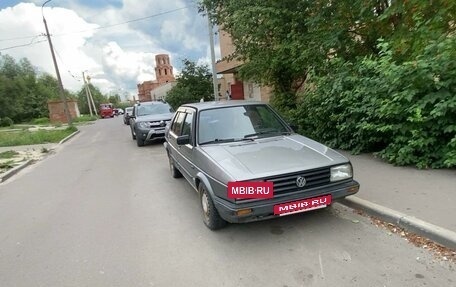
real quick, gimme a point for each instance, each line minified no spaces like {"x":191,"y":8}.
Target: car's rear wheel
{"x":175,"y":173}
{"x":211,"y":217}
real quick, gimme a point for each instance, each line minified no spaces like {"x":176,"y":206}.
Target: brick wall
{"x":57,"y":113}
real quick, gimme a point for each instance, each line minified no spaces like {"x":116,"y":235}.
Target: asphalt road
{"x":103,"y":212}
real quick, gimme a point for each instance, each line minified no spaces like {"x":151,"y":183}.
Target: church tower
{"x":163,"y":69}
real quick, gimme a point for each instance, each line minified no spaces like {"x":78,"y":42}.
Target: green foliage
{"x":115,"y":100}
{"x":36,"y":137}
{"x":330,"y":75}
{"x":404,"y":111}
{"x":194,"y":83}
{"x":280,"y":41}
{"x":41,"y":121}
{"x":4,"y":166}
{"x":23,"y":91}
{"x":6,"y":122}
{"x":8,"y":154}
{"x":97,"y":96}
{"x":85,"y":118}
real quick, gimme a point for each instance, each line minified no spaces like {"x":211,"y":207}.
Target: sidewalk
{"x":26,"y":155}
{"x":429,"y":195}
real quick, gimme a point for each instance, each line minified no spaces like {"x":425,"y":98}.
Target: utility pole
{"x":62,"y":91}
{"x":90,"y":94}
{"x":87,"y":94}
{"x":211,"y":41}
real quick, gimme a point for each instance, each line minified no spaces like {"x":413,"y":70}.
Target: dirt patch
{"x":17,"y":158}
{"x":439,"y":251}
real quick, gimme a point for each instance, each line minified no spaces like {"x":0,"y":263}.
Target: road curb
{"x":15,"y":170}
{"x":69,"y":137}
{"x":435,"y":233}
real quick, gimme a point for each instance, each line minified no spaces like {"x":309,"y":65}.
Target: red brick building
{"x":163,"y":73}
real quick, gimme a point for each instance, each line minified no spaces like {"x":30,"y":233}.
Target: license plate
{"x":302,"y":205}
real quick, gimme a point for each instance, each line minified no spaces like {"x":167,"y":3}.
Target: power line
{"x":123,"y":23}
{"x":88,"y":30}
{"x":19,"y":38}
{"x":25,"y":45}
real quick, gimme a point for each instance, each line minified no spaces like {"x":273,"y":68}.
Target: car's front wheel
{"x":139,"y":141}
{"x":133,"y":136}
{"x":211,"y":217}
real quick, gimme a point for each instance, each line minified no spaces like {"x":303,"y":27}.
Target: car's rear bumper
{"x":264,"y":209}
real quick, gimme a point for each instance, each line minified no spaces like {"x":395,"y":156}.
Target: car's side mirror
{"x":294,"y":127}
{"x":183,"y":140}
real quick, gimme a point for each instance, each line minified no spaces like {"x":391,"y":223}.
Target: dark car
{"x":148,"y":121}
{"x":126,"y":116}
{"x":218,"y":144}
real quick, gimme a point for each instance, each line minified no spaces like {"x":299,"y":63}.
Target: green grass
{"x":41,"y":121}
{"x":6,"y":165}
{"x":8,"y":154}
{"x":85,"y":118}
{"x":38,"y":137}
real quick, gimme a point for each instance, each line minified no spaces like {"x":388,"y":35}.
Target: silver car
{"x":215,"y":145}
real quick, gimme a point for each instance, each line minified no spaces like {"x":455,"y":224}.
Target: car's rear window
{"x":154,"y":109}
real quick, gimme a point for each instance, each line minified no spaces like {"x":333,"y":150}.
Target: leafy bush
{"x":6,"y":122}
{"x":406,"y":112}
{"x":41,"y":121}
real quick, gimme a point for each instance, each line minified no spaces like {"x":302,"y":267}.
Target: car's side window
{"x":177,"y":124}
{"x":187,"y":127}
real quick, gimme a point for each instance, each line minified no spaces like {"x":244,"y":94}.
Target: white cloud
{"x":117,"y":57}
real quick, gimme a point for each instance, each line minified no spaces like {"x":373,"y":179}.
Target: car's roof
{"x":221,"y":104}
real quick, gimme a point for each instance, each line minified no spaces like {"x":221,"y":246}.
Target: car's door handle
{"x":192,"y":167}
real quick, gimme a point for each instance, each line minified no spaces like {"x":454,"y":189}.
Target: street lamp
{"x":62,"y":91}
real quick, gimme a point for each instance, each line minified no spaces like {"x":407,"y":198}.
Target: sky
{"x":93,"y":36}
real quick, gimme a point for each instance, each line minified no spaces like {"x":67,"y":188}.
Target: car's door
{"x":174,"y":131}
{"x":182,"y":125}
{"x":187,"y":150}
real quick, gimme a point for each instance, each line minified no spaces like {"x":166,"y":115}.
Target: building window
{"x":160,"y":72}
{"x":166,"y":71}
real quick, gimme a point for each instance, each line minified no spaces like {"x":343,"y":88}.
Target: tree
{"x":281,"y":41}
{"x":194,"y":83}
{"x":97,"y":96}
{"x":114,"y":99}
{"x":23,"y":91}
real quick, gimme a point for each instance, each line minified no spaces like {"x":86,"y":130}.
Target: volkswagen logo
{"x":300,"y":181}
{"x":162,"y":123}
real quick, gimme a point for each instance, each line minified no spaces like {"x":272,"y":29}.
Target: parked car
{"x":213,"y":144}
{"x":148,"y":121}
{"x":126,"y":116}
{"x":106,"y":111}
{"x":118,"y":111}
